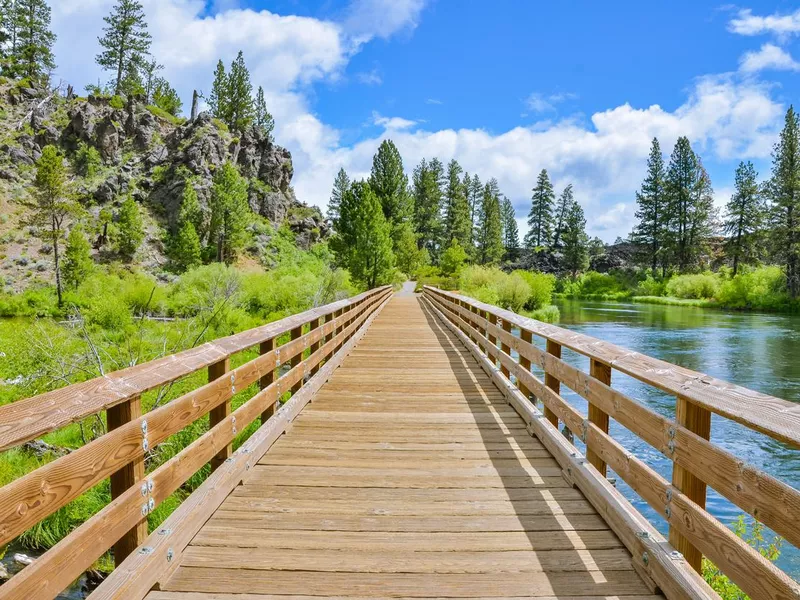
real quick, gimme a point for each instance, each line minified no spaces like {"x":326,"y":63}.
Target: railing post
{"x":314,"y":324}
{"x":551,"y":382}
{"x":297,"y":332}
{"x":506,"y":349}
{"x":492,"y":339}
{"x":525,"y":363}
{"x":221,"y":412}
{"x":267,"y":380}
{"x":696,"y":420}
{"x":602,"y":372}
{"x":128,"y":476}
{"x":338,"y":330}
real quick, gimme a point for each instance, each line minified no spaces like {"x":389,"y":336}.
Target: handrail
{"x":27,"y":500}
{"x":685,"y":441}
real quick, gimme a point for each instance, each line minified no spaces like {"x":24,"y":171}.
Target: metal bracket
{"x":170,"y":554}
{"x":277,"y":358}
{"x":584,"y":430}
{"x":233,"y":383}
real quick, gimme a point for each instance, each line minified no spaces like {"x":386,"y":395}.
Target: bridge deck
{"x":408,"y":476}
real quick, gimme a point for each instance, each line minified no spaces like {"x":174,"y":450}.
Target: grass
{"x":162,"y":114}
{"x":670,"y":301}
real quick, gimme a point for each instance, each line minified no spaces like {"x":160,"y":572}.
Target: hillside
{"x":144,"y":153}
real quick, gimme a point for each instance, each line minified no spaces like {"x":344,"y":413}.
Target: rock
{"x":144,"y":129}
{"x":17,"y":155}
{"x":23,"y":559}
{"x":46,"y":136}
{"x":108,"y":140}
{"x":157,"y":156}
{"x":29,"y":92}
{"x":93,"y":579}
{"x":7,"y":175}
{"x":42,"y":449}
{"x":107,"y":191}
{"x":82,"y":121}
{"x":4,"y":575}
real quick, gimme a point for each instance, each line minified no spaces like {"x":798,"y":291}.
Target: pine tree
{"x":576,"y":256}
{"x":78,"y":263}
{"x":166,"y":97}
{"x":510,"y":229}
{"x":363,"y":242}
{"x":784,"y":193}
{"x":230,"y":214}
{"x":389,"y":183}
{"x":8,"y":34}
{"x":744,"y":218}
{"x":427,"y":207}
{"x":563,"y":207}
{"x":191,"y":212}
{"x":150,"y":70}
{"x":132,"y":83}
{"x":475,"y":196}
{"x":187,"y":252}
{"x":540,"y":218}
{"x":241,"y":110}
{"x":340,"y":187}
{"x":130,"y":228}
{"x":264,"y":120}
{"x":33,"y":54}
{"x":490,"y":239}
{"x":650,"y":231}
{"x":457,"y":221}
{"x":50,"y":206}
{"x":218,"y":100}
{"x":126,"y":39}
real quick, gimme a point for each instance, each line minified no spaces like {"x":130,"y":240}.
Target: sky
{"x":507,"y":87}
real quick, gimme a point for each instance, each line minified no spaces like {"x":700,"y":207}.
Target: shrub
{"x":453,"y":259}
{"x":87,"y":160}
{"x":513,"y":292}
{"x":596,"y":286}
{"x":763,"y":288}
{"x":651,"y":287}
{"x":702,"y":285}
{"x":541,"y":286}
{"x":163,"y":114}
{"x":548,"y":314}
{"x":117,"y":102}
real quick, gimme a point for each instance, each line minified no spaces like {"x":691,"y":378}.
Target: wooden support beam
{"x":505,"y":348}
{"x":492,"y":340}
{"x":266,"y":380}
{"x":525,"y":363}
{"x":697,"y":420}
{"x":127,"y":477}
{"x":551,"y":382}
{"x":338,"y":314}
{"x":602,"y":372}
{"x":221,"y":412}
{"x":297,"y":358}
{"x":312,"y":325}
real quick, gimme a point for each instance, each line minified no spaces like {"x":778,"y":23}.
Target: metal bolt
{"x":668,"y":512}
{"x":144,"y":489}
{"x":150,"y":486}
{"x":169,"y":555}
{"x":164,"y":531}
{"x":144,"y":427}
{"x":672,"y":432}
{"x":669,"y":495}
{"x":645,"y":558}
{"x":144,"y":510}
{"x":151,"y":504}
{"x":675,"y":555}
{"x":145,"y":445}
{"x":146,"y":550}
{"x":671,"y":446}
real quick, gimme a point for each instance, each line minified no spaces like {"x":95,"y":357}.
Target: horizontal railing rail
{"x":119,"y":454}
{"x":697,"y":462}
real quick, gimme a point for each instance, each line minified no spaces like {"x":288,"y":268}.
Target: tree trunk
{"x":195,"y":107}
{"x":57,"y":262}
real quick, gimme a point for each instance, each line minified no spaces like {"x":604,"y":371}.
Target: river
{"x":757,"y":351}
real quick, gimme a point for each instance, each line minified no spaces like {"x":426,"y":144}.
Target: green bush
{"x":548,"y":314}
{"x":453,"y":259}
{"x":163,"y":114}
{"x":437,"y":281}
{"x":701,"y":285}
{"x":763,"y":288}
{"x":596,"y":286}
{"x":37,"y":301}
{"x":651,"y":287}
{"x":513,"y":292}
{"x":87,"y":160}
{"x":541,"y":286}
{"x":117,"y":102}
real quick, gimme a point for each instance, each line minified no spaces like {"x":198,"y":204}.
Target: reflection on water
{"x":757,"y":351}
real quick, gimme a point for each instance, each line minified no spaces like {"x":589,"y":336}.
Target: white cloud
{"x":746,"y":23}
{"x":769,"y":56}
{"x":370,"y":77}
{"x":392,"y":123}
{"x":368,"y":19}
{"x":539,"y":103}
{"x":434,"y":101}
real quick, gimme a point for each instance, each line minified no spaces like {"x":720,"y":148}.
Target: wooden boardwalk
{"x":408,"y":476}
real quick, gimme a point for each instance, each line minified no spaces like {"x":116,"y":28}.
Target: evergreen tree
{"x":150,"y":70}
{"x":230,"y":214}
{"x":490,"y":239}
{"x":130,"y":228}
{"x":407,"y":255}
{"x":540,"y":218}
{"x":191,"y":212}
{"x":453,"y":259}
{"x":126,"y":39}
{"x":689,"y":205}
{"x":187,"y":252}
{"x":427,"y":207}
{"x":264,"y":120}
{"x":457,"y":220}
{"x":218,"y":100}
{"x":8,"y":34}
{"x":78,"y":263}
{"x":563,"y":207}
{"x":651,"y":230}
{"x":576,"y":256}
{"x":363,"y":241}
{"x":340,"y":187}
{"x":784,"y":193}
{"x":132,"y":83}
{"x":50,"y":206}
{"x":475,"y":196}
{"x":389,"y":183}
{"x":744,"y":218}
{"x":33,"y":53}
{"x":510,"y":229}
{"x":241,"y":109}
{"x":166,"y":97}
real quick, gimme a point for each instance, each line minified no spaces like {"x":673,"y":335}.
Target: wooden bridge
{"x":423,"y":468}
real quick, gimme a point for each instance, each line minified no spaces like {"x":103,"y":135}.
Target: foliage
{"x":541,"y":286}
{"x":166,"y":98}
{"x":769,"y":549}
{"x":116,"y":102}
{"x":744,"y":218}
{"x":650,"y":286}
{"x":87,"y":160}
{"x":576,"y":255}
{"x":163,"y":114}
{"x":78,"y":263}
{"x":389,"y":183}
{"x":218,"y":100}
{"x":457,"y":222}
{"x":698,"y":286}
{"x":340,"y":187}
{"x":427,"y":183}
{"x":548,"y":314}
{"x":230,"y":214}
{"x":763,"y":289}
{"x":563,"y":206}
{"x":596,"y":286}
{"x":453,"y":259}
{"x":263,"y":118}
{"x":125,"y":40}
{"x":240,"y":108}
{"x":540,"y":217}
{"x":187,"y":251}
{"x":31,"y":53}
{"x":490,"y":226}
{"x":408,"y":256}
{"x":130,"y":228}
{"x":513,"y":291}
{"x":650,"y":232}
{"x":510,"y":230}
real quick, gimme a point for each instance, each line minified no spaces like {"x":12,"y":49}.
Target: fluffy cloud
{"x":746,"y":23}
{"x":539,"y":103}
{"x":392,"y":123}
{"x":368,"y":19}
{"x":768,"y":57}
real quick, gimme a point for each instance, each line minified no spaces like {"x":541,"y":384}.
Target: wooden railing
{"x":684,"y":440}
{"x":325,"y":334}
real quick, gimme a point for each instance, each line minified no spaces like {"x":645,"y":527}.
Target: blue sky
{"x":506,"y":87}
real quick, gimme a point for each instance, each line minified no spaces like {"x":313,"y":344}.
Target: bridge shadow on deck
{"x":560,"y":529}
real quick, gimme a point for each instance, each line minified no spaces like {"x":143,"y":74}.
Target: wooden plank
{"x":504,"y":347}
{"x":159,"y":595}
{"x":296,"y":334}
{"x":551,"y":382}
{"x":267,"y":379}
{"x":525,"y":363}
{"x":601,"y":372}
{"x":128,"y":476}
{"x":697,"y":420}
{"x":496,"y":465}
{"x":221,"y":412}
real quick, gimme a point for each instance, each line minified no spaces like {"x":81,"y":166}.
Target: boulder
{"x":108,"y":140}
{"x":144,"y":129}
